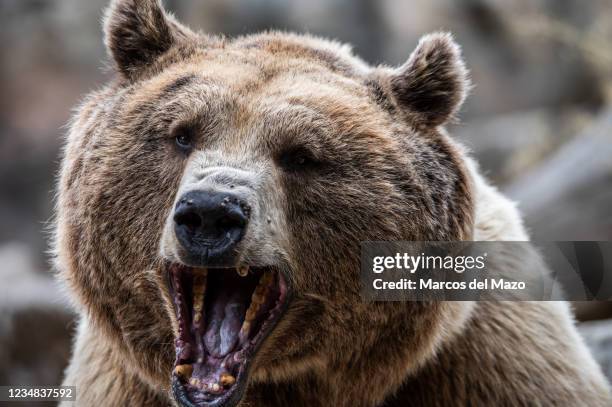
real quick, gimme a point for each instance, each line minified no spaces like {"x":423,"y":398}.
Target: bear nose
{"x":209,"y":224}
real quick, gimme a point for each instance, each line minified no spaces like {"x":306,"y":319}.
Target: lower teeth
{"x":227,"y":380}
{"x":184,"y":371}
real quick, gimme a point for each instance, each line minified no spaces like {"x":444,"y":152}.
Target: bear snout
{"x":209,"y":224}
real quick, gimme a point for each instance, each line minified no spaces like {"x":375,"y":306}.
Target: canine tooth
{"x":258,"y":299}
{"x":184,"y":371}
{"x":227,"y":379}
{"x":194,"y":382}
{"x":215,"y":387}
{"x":243,"y":270}
{"x":199,"y":287}
{"x":246,"y":326}
{"x":264,"y":283}
{"x":250,"y":314}
{"x":259,"y":295}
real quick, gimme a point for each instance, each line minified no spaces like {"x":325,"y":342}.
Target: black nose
{"x":208,"y":226}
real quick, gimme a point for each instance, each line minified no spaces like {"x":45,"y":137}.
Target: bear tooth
{"x":243,"y":270}
{"x":244,"y":330}
{"x":264,"y":282}
{"x":259,"y":295}
{"x":215,"y":387}
{"x":184,"y":371}
{"x":227,"y":379}
{"x":250,"y":314}
{"x":194,"y":382}
{"x":258,"y":300}
{"x":199,"y":287}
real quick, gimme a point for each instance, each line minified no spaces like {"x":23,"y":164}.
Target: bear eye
{"x":298,"y":159}
{"x":184,"y":140}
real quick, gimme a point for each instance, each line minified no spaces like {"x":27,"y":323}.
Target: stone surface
{"x":35,"y":322}
{"x":569,"y":195}
{"x":598,"y":337}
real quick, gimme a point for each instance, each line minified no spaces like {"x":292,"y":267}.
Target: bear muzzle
{"x":208,"y":225}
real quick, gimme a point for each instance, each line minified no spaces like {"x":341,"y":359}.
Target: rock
{"x":508,"y":145}
{"x":35,"y":322}
{"x":598,"y":337}
{"x":568,"y":197}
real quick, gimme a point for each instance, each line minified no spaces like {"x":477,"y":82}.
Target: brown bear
{"x":211,"y":204}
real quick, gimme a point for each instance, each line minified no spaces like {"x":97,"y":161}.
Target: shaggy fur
{"x":379,"y":167}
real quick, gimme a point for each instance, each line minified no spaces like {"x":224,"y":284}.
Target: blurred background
{"x":539,"y":120}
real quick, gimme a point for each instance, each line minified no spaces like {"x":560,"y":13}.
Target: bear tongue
{"x":226,"y":314}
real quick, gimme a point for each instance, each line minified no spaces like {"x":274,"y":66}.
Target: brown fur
{"x":384,"y":170}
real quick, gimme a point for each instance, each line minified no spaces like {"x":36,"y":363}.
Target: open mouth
{"x":223,"y":317}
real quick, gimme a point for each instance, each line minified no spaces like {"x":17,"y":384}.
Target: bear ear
{"x":432,"y":85}
{"x":136,"y":32}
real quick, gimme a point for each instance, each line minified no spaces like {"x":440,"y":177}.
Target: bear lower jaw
{"x":223,"y":317}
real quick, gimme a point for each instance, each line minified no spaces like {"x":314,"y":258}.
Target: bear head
{"x":213,"y":197}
